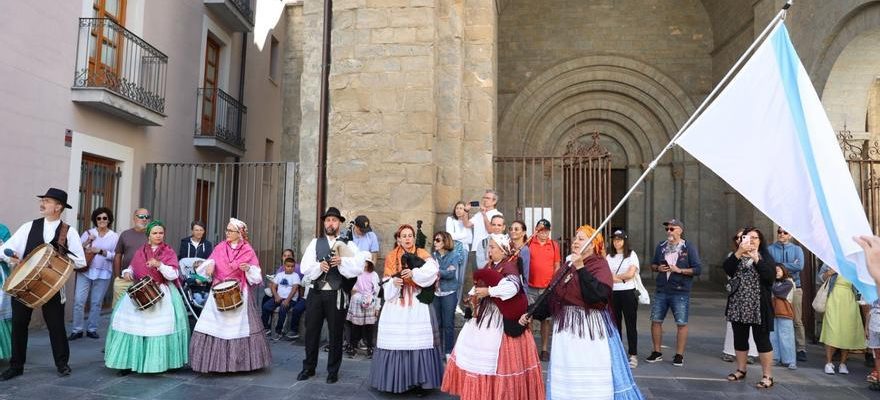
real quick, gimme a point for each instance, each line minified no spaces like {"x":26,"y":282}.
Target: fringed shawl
{"x":568,"y":293}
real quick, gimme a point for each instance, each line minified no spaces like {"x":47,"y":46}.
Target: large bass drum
{"x":39,"y":276}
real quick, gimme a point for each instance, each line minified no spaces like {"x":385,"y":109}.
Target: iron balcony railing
{"x":222,"y":117}
{"x":112,"y":57}
{"x":244,"y":7}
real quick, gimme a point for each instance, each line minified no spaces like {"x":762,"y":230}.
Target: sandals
{"x":765,"y":383}
{"x":737,"y":375}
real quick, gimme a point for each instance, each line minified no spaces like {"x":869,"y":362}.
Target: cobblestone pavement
{"x":702,"y":376}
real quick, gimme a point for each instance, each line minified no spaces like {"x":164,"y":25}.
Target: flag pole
{"x":780,"y":16}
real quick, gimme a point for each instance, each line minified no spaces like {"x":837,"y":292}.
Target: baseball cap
{"x":543,"y":224}
{"x":674,"y":222}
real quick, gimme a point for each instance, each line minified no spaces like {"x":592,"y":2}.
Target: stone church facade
{"x":426,"y":94}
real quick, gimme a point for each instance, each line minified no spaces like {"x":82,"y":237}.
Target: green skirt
{"x":5,"y":339}
{"x":150,"y":354}
{"x":842,"y":326}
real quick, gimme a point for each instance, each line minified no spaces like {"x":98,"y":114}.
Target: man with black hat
{"x":48,"y":229}
{"x":327,"y":265}
{"x":365,"y":238}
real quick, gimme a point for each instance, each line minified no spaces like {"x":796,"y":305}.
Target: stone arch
{"x":629,"y":92}
{"x":849,"y":66}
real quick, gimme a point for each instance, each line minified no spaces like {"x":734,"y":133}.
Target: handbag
{"x":821,"y":298}
{"x":644,"y":298}
{"x":782,"y":308}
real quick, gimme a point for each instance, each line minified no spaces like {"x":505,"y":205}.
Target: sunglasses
{"x":105,"y":218}
{"x":670,"y":229}
{"x":782,"y":232}
{"x":143,"y":216}
{"x":438,"y":240}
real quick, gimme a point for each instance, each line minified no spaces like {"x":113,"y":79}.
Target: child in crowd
{"x":363,"y":310}
{"x":285,"y":296}
{"x":782,"y":337}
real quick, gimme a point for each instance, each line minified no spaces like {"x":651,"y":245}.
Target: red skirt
{"x":518,"y":376}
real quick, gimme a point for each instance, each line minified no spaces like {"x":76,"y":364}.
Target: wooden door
{"x":209,"y":92}
{"x":99,"y":179}
{"x":105,"y":48}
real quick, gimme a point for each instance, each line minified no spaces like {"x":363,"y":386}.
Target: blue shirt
{"x":526,"y":256}
{"x":449,"y":278}
{"x":688,"y":257}
{"x":791,"y":256}
{"x":368,"y":242}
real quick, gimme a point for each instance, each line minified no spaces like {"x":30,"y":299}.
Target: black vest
{"x":332,"y":277}
{"x":35,"y":236}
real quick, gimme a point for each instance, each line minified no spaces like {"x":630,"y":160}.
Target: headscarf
{"x":503,"y":241}
{"x":154,"y":223}
{"x":598,"y":242}
{"x":242,"y":228}
{"x":163,"y":253}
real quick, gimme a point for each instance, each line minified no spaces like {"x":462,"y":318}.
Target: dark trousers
{"x":320,"y":306}
{"x":759,"y":333}
{"x":296,"y":308}
{"x":359,"y":332}
{"x":626,"y":305}
{"x":53,"y":315}
{"x":444,"y":308}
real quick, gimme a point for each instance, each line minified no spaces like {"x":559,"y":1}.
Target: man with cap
{"x":545,"y":260}
{"x":365,"y":238}
{"x":677,"y":263}
{"x":327,"y":266}
{"x":47,"y":229}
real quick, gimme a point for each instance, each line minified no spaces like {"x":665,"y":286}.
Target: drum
{"x":39,"y":276}
{"x":227,"y":295}
{"x":145,"y":293}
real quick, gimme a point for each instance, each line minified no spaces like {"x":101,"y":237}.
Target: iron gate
{"x":568,"y":190}
{"x":261,"y":194}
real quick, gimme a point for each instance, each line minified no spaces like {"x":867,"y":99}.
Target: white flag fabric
{"x":767,"y":135}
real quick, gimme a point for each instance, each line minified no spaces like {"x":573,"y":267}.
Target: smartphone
{"x":744,"y":241}
{"x":475,"y":203}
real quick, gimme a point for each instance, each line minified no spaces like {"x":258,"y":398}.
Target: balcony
{"x":221,"y":122}
{"x":236,"y":14}
{"x":119,"y":73}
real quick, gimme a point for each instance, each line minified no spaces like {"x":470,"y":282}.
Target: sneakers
{"x":93,"y":335}
{"x":633,"y":361}
{"x":277,"y":336}
{"x":842,"y":369}
{"x":292,"y":335}
{"x":75,"y":335}
{"x":792,"y":366}
{"x":654,"y":357}
{"x":829,"y":369}
{"x":802,"y":355}
{"x":727,"y":357}
{"x":678,"y":360}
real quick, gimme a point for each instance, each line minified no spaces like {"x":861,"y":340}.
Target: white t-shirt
{"x":459,"y":232}
{"x":285,"y":283}
{"x":480,"y":229}
{"x":618,"y":267}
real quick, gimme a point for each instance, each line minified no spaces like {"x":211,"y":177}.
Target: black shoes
{"x":64,"y":370}
{"x":93,"y":335}
{"x":11,"y":373}
{"x":332,"y":378}
{"x":75,"y":335}
{"x":802,"y":355}
{"x":655,"y":357}
{"x":305,"y":374}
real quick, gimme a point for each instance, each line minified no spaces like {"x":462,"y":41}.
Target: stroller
{"x":195,"y":287}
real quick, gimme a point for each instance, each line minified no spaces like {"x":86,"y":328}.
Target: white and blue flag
{"x":767,"y":135}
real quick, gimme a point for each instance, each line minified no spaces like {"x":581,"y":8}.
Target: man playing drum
{"x":48,"y":229}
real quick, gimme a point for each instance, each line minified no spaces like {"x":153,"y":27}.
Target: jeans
{"x":444,"y":308}
{"x":782,"y":339}
{"x":93,"y":291}
{"x":296,"y":307}
{"x":678,"y":302}
{"x":626,"y":304}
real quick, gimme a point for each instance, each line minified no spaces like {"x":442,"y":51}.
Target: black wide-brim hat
{"x":57,"y":194}
{"x":333,"y":212}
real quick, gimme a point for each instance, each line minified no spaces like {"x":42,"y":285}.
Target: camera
{"x":475,"y":203}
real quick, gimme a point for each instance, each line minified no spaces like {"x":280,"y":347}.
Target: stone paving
{"x":702,"y":376}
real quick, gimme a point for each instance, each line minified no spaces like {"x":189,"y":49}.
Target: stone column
{"x":480,"y":92}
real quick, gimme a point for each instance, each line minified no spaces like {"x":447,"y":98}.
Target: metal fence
{"x":111,"y":57}
{"x":260,"y":194}
{"x":568,"y":190}
{"x":222,"y":117}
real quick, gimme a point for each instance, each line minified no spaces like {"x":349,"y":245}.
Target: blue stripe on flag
{"x":788,"y":62}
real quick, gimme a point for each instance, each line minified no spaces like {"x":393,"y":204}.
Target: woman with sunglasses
{"x":155,"y":339}
{"x":231,"y":340}
{"x":451,"y":257}
{"x":99,"y":244}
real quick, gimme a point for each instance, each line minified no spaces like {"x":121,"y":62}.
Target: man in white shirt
{"x":481,"y":222}
{"x":327,"y":270}
{"x":48,"y":229}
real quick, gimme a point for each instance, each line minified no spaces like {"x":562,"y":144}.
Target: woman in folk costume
{"x":232,"y":340}
{"x":407,"y":354}
{"x":154,"y":339}
{"x":495,"y":357}
{"x":582,"y":320}
{"x":5,"y":305}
